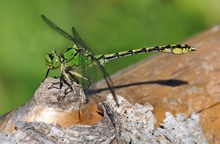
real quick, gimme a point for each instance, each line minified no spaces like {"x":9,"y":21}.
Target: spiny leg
{"x":61,"y":82}
{"x":69,"y":88}
{"x":68,"y":77}
{"x":52,"y":86}
{"x":73,"y":77}
{"x":68,"y":81}
{"x":75,"y":74}
{"x":46,"y":74}
{"x":80,"y":76}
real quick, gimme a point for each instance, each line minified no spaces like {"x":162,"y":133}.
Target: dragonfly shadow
{"x":170,"y":82}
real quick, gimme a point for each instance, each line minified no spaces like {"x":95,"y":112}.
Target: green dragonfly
{"x":79,"y":57}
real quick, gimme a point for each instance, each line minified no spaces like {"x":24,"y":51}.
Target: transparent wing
{"x":85,"y":51}
{"x":92,"y":56}
{"x":79,"y":40}
{"x":57,"y":29}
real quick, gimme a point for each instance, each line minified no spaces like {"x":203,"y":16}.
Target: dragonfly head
{"x":52,"y":60}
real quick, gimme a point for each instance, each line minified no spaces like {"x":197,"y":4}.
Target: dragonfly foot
{"x":61,"y":84}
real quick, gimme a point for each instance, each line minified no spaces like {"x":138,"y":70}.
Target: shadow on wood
{"x":169,"y":83}
{"x":200,"y":73}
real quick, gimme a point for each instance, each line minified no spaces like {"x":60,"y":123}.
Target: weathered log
{"x":55,"y":115}
{"x":165,"y":83}
{"x":186,"y":84}
{"x":49,"y":117}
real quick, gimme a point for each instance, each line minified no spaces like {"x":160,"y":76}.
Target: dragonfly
{"x":79,"y":57}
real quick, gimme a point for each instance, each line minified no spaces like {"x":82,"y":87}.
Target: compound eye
{"x":52,"y":60}
{"x":51,"y":56}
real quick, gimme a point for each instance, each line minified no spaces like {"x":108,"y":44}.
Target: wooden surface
{"x":54,"y":115}
{"x":50,"y":116}
{"x":188,"y":83}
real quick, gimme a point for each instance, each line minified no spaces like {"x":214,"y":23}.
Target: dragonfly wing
{"x":57,"y":29}
{"x":78,"y":38}
{"x":84,"y":51}
{"x":108,"y":79}
{"x":92,"y":56}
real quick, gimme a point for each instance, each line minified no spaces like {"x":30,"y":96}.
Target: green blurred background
{"x":106,"y":25}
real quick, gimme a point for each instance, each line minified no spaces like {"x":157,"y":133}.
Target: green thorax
{"x":75,"y":58}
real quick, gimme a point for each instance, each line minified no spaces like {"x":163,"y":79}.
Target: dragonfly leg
{"x":73,"y":78}
{"x":46,"y":74}
{"x":61,"y":82}
{"x":75,"y":74}
{"x":69,"y":81}
{"x":90,"y":82}
{"x":56,"y":83}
